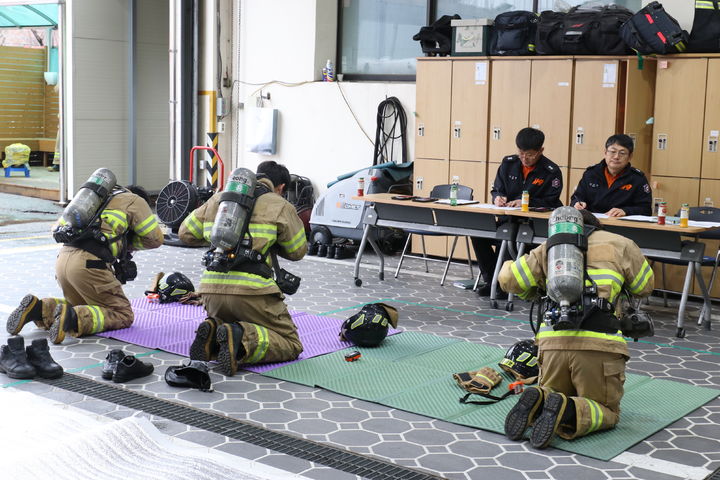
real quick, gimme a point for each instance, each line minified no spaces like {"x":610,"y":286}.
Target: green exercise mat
{"x":412,"y":371}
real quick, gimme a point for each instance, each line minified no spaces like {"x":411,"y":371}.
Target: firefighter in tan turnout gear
{"x":99,"y":229}
{"x":248,"y":321}
{"x":582,"y":361}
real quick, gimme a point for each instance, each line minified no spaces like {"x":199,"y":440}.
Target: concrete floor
{"x":687,"y":449}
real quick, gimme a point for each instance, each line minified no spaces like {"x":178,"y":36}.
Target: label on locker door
{"x":609,"y":75}
{"x":481,"y":73}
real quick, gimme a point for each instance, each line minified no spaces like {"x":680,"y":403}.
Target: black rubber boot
{"x":548,"y":421}
{"x":313,"y":248}
{"x":65,"y":321}
{"x":522,"y":415}
{"x":38,"y":353}
{"x":205,"y":346}
{"x":29,"y":310}
{"x":13,"y":359}
{"x":230,"y":347}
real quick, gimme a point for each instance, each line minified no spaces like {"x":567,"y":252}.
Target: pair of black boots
{"x":337,"y":251}
{"x":121,"y":368}
{"x":20,"y":362}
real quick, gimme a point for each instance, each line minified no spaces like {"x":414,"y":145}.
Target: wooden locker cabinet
{"x":675,"y":191}
{"x":509,"y":105}
{"x":711,"y":132}
{"x":425,"y":174}
{"x":491,"y":174}
{"x":611,"y":95}
{"x":550,"y":106}
{"x":432,"y":108}
{"x":473,"y":175}
{"x":469,"y":115}
{"x":679,"y":106}
{"x":572,"y":182}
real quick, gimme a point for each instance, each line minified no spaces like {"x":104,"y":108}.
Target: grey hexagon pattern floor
{"x":689,"y":448}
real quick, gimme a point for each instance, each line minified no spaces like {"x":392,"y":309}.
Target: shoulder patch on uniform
{"x":646,"y":188}
{"x":556,"y":183}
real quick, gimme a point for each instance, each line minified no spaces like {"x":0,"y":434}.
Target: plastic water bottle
{"x":454,"y":190}
{"x":329,"y":71}
{"x":684,"y":215}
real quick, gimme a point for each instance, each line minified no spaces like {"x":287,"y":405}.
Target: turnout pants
{"x":593,"y":380}
{"x":92,"y":290}
{"x":269,"y":332}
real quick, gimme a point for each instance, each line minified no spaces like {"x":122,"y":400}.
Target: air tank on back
{"x":234,"y":209}
{"x":566,"y":262}
{"x":89,"y":198}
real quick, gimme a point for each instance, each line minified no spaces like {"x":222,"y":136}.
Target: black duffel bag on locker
{"x":582,"y":31}
{"x":705,"y":33}
{"x":653,"y":30}
{"x":513,"y":33}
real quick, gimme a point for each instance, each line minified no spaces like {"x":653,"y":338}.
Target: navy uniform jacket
{"x":544,"y":183}
{"x":630,"y":191}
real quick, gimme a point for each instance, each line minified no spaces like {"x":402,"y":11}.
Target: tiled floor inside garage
{"x":689,"y":448}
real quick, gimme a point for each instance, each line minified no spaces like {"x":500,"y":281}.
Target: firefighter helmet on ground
{"x":521,"y":360}
{"x":367,"y":328}
{"x":173,"y":287}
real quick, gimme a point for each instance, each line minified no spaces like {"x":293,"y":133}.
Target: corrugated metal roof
{"x":34,"y":15}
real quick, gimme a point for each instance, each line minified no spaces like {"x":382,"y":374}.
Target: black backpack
{"x":513,"y":33}
{"x":653,"y":30}
{"x":705,"y":33}
{"x":580,"y":31}
{"x":436,"y":39}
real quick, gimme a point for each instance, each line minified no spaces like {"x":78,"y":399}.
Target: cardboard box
{"x":470,"y":37}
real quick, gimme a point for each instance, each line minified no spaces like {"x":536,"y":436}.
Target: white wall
{"x":289,"y":41}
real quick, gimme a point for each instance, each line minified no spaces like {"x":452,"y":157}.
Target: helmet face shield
{"x":175,"y":286}
{"x":368,"y":328}
{"x":521,"y":361}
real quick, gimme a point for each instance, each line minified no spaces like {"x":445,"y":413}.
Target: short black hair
{"x":140,"y":192}
{"x":278,"y":174}
{"x":622,"y":140}
{"x":529,"y":139}
{"x":590,"y":219}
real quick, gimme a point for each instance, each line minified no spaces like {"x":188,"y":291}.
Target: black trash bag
{"x":192,"y":375}
{"x":436,"y":39}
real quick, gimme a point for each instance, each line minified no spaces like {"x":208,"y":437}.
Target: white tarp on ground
{"x":43,"y":439}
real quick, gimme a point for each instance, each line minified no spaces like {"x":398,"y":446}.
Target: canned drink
{"x":361,"y":186}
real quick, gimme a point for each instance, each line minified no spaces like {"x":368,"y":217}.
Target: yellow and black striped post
{"x":211,"y":177}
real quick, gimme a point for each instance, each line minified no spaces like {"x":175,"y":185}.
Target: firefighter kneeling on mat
{"x":582,"y":351}
{"x":99,"y":229}
{"x":242,"y":288}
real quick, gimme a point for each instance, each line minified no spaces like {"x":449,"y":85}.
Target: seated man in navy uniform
{"x":613,"y":186}
{"x":528,"y":170}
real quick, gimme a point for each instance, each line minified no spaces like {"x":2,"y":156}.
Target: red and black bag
{"x":582,"y":31}
{"x":653,"y":30}
{"x":705,"y":33}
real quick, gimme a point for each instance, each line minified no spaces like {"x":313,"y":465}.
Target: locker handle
{"x":662,"y":141}
{"x":421,"y":130}
{"x":456,"y":132}
{"x":419,"y":184}
{"x":496,"y":133}
{"x":580,"y":136}
{"x":712,"y":144}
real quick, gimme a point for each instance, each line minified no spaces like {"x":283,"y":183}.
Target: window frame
{"x":376,"y":77}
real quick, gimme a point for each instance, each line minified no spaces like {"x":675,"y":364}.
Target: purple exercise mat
{"x":171,"y":327}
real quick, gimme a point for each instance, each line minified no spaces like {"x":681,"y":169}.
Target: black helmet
{"x":521,"y":360}
{"x":367,"y":328}
{"x":173,"y":287}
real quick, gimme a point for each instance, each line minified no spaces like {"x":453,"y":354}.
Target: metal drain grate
{"x":333,"y":457}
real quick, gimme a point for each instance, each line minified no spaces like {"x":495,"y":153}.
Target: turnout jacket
{"x":273,"y":224}
{"x":612,"y":261}
{"x":544,"y":184}
{"x":128,"y":213}
{"x":630,"y":191}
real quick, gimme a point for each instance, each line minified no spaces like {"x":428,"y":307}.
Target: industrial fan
{"x":175,"y":202}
